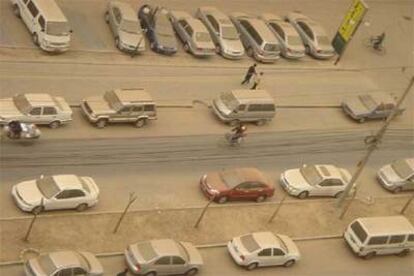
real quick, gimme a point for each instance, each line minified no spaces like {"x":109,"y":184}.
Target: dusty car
{"x":192,"y":33}
{"x":125,"y":27}
{"x":63,"y":263}
{"x":40,"y":109}
{"x":236,"y":184}
{"x":158,"y":28}
{"x":291,"y":44}
{"x":222,"y":31}
{"x":315,"y":180}
{"x":259,"y":41}
{"x":314,"y":37}
{"x":263,"y":249}
{"x":244,"y":106}
{"x":375,"y":106}
{"x":56,"y":192}
{"x":397,"y":176}
{"x":120,"y":106}
{"x":163,"y":257}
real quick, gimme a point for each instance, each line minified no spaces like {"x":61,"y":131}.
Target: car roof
{"x":221,"y":17}
{"x":65,"y":181}
{"x":39,"y":99}
{"x":128,"y":96}
{"x":65,"y":259}
{"x":260,"y":26}
{"x":127,"y":12}
{"x":387,"y":225}
{"x":245,"y":94}
{"x":316,"y":27}
{"x":247,"y":174}
{"x":50,"y":10}
{"x":166,"y":247}
{"x":329,"y":171}
{"x":180,"y":14}
{"x":266,"y":239}
{"x":287,"y":27}
{"x":382,"y":98}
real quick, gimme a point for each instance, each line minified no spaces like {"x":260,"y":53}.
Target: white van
{"x":372,"y":236}
{"x":46,"y":22}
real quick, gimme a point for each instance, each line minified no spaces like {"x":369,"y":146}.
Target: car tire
{"x":16,"y":10}
{"x":234,"y":123}
{"x":187,"y":47}
{"x":35,"y":39}
{"x":117,"y":43}
{"x":140,"y":122}
{"x":260,"y":198}
{"x":191,"y":272}
{"x":261,"y":122}
{"x":54,"y":124}
{"x":338,"y":194}
{"x":397,"y":190}
{"x":222,"y":199}
{"x":38,"y":209}
{"x":101,"y":123}
{"x":370,"y":255}
{"x":249,"y":52}
{"x":252,"y":266}
{"x":107,"y":17}
{"x":218,"y":49}
{"x":404,"y":253}
{"x":152,"y":273}
{"x":303,"y":195}
{"x":82,"y":207}
{"x":289,"y":263}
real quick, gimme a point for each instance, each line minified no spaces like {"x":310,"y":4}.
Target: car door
{"x":265,"y":257}
{"x":163,"y":265}
{"x":49,"y":114}
{"x":115,"y":20}
{"x":67,"y":199}
{"x":214,"y":28}
{"x":29,"y":12}
{"x":241,"y":191}
{"x":35,"y":115}
{"x":123,"y":115}
{"x":136,"y":112}
{"x":322,"y":189}
{"x":279,"y":256}
{"x":178,"y":265}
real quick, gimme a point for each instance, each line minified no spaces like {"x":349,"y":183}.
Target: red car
{"x":237,"y":184}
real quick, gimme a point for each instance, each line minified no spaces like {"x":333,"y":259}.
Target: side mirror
{"x":42,"y":176}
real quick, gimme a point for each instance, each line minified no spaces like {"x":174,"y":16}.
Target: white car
{"x":56,"y":192}
{"x":397,"y":176}
{"x":315,"y":180}
{"x":263,"y":249}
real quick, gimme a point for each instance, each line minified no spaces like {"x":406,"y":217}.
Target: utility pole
{"x":407,"y":204}
{"x":372,"y":142}
{"x":204,"y":211}
{"x":32,"y":222}
{"x":277,"y":208}
{"x":132,"y":198}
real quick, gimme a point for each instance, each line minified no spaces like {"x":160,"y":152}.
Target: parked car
{"x":40,"y":109}
{"x":46,"y":23}
{"x":263,"y":249}
{"x":259,"y":41}
{"x":125,"y":27}
{"x":375,"y":106}
{"x":315,"y":180}
{"x":62,"y":263}
{"x":244,"y":106}
{"x":120,"y":106}
{"x":291,"y":44}
{"x":192,"y":33}
{"x":371,"y":236}
{"x":222,"y":31}
{"x":397,"y":176}
{"x":316,"y":41}
{"x":236,"y":184}
{"x":65,"y":191}
{"x":158,"y":28}
{"x":163,"y":257}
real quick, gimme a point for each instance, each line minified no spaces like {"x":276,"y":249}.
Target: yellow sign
{"x":352,"y":19}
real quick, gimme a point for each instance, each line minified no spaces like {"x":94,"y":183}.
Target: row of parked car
{"x":136,"y":106}
{"x":264,"y":37}
{"x":366,"y":237}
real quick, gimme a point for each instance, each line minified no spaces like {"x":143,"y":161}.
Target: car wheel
{"x":117,"y":43}
{"x":338,"y":194}
{"x":152,"y":273}
{"x":404,"y":253}
{"x":218,"y":49}
{"x":191,"y":272}
{"x":187,"y":47}
{"x":361,"y":120}
{"x":38,"y":209}
{"x":303,"y":195}
{"x":252,"y":266}
{"x":222,"y":199}
{"x":35,"y":39}
{"x":16,"y":10}
{"x":250,"y":52}
{"x":81,"y":207}
{"x":140,"y":122}
{"x":54,"y":124}
{"x":397,"y":190}
{"x":289,"y":263}
{"x":107,"y":17}
{"x":101,"y":123}
{"x":260,"y":198}
{"x":261,"y":122}
{"x":370,"y":255}
{"x":234,"y":123}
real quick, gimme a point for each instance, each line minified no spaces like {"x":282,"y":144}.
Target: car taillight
{"x":137,"y":266}
{"x":242,"y":257}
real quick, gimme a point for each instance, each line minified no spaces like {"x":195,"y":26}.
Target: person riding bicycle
{"x":239,"y":131}
{"x":377,"y":41}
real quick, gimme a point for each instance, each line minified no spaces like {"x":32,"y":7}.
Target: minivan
{"x":46,"y":22}
{"x":372,"y":236}
{"x":244,"y":106}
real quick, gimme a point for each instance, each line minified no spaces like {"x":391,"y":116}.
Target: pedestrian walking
{"x":257,"y":79}
{"x":123,"y":273}
{"x":250,"y":72}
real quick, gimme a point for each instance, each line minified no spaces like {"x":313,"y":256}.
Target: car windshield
{"x":22,"y":104}
{"x":282,"y":243}
{"x":57,"y":28}
{"x":147,"y":251}
{"x":249,"y":243}
{"x":229,"y":33}
{"x":359,"y":231}
{"x":47,"y":264}
{"x":202,"y":37}
{"x":163,"y":26}
{"x":47,"y":186}
{"x":113,"y":100}
{"x":230,"y":178}
{"x":229,"y":101}
{"x":311,"y":175}
{"x":323,"y":40}
{"x":294,"y":40}
{"x":368,"y":102}
{"x":130,"y":27}
{"x":402,"y":168}
{"x":270,"y":47}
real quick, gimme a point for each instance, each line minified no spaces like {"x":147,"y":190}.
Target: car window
{"x":242,"y":107}
{"x":79,"y":271}
{"x":149,"y":107}
{"x":36,"y":111}
{"x":176,"y":260}
{"x":64,"y":272}
{"x":70,"y":194}
{"x":117,"y":15}
{"x":163,"y":261}
{"x":389,"y":106}
{"x":278,"y":252}
{"x":25,"y":1}
{"x":42,"y":22}
{"x":411,"y":238}
{"x":397,"y":239}
{"x":378,"y":240}
{"x":32,"y":9}
{"x":137,"y":108}
{"x":381,"y":107}
{"x":278,"y":30}
{"x":255,"y":107}
{"x":125,"y":109}
{"x":265,"y":252}
{"x":49,"y":110}
{"x":306,"y":29}
{"x":243,"y":186}
{"x":213,"y":23}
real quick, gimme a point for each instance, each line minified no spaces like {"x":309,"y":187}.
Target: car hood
{"x":215,"y":182}
{"x":35,"y":266}
{"x":222,"y":107}
{"x":193,"y":254}
{"x":204,"y":45}
{"x":58,"y":38}
{"x":356,"y":106}
{"x":29,"y":192}
{"x":233,"y":45}
{"x":295,"y":179}
{"x":99,"y":106}
{"x":325,"y":47}
{"x":291,"y":246}
{"x":390,"y":174}
{"x":130,"y":39}
{"x":95,"y":267}
{"x":8,"y":109}
{"x":167,"y":41}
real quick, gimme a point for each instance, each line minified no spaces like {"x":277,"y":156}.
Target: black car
{"x":158,"y":29}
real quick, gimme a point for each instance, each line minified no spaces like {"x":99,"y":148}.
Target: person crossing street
{"x":257,"y":80}
{"x":250,"y":72}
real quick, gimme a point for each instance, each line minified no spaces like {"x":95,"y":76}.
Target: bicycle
{"x":370,"y":42}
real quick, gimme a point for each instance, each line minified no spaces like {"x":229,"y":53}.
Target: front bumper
{"x":351,"y":243}
{"x":23,"y":206}
{"x":54,"y":48}
{"x":386,"y":185}
{"x":289,"y":189}
{"x":205,"y":190}
{"x":266,"y":58}
{"x":86,"y":113}
{"x":232,"y":55}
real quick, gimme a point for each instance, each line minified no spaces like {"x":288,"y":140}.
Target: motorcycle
{"x":28,"y":132}
{"x":234,"y":139}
